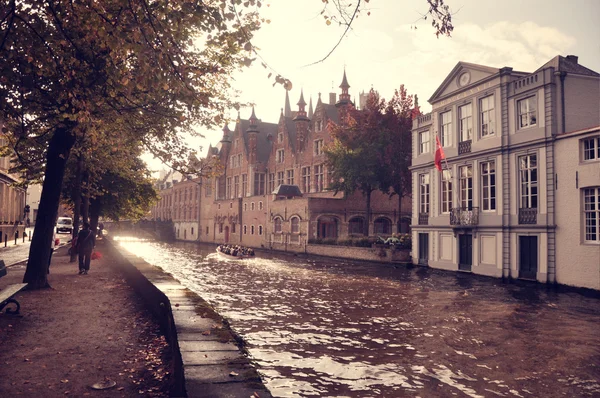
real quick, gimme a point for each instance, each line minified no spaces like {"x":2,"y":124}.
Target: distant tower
{"x":301,"y":121}
{"x":252,"y":133}
{"x":344,"y":96}
{"x":310,"y":108}
{"x":288,"y":108}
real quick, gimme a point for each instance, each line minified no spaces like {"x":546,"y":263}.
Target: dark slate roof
{"x":331,"y":112}
{"x":287,"y":190}
{"x":263,"y":146}
{"x":563,"y":64}
{"x":290,"y":125}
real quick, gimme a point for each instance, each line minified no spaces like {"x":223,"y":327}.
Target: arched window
{"x":356,"y":225}
{"x":260,"y":205}
{"x":260,"y":229}
{"x":245,"y":230}
{"x":252,"y":230}
{"x":295,"y":224}
{"x":277,"y":226}
{"x":245,"y":206}
{"x":382,"y":225}
{"x":327,"y":227}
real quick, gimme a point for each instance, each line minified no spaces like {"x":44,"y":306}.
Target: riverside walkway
{"x":93,"y":335}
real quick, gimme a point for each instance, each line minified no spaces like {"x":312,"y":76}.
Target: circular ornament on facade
{"x":464,"y":79}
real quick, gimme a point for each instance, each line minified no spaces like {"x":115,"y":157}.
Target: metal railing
{"x":528,"y":216}
{"x":464,"y":216}
{"x":464,"y":147}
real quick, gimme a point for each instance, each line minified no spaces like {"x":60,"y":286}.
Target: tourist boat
{"x":232,"y":257}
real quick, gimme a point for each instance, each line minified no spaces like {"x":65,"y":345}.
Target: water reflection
{"x":318,"y":327}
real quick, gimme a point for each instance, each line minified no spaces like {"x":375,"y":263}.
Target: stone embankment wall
{"x":379,"y":254}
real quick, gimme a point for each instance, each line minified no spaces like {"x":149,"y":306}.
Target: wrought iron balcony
{"x":528,"y":216}
{"x":463,"y":216}
{"x":423,"y":218}
{"x":464,"y":147}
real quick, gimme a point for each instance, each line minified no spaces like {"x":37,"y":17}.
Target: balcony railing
{"x":464,"y":147}
{"x":528,"y":216}
{"x":464,"y":216}
{"x":423,"y":218}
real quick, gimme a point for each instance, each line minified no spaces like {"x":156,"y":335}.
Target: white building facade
{"x":496,"y":209}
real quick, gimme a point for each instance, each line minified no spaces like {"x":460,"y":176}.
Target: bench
{"x":6,"y":294}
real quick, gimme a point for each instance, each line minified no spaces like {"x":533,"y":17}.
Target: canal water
{"x":337,"y":328}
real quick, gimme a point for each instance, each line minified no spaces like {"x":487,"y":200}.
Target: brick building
{"x":12,"y":198}
{"x":274,"y":190}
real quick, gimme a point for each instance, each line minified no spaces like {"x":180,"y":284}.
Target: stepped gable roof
{"x":287,"y":190}
{"x":565,"y":64}
{"x":263,"y":146}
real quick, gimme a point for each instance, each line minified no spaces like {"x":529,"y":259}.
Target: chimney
{"x":332,"y":98}
{"x":572,"y":58}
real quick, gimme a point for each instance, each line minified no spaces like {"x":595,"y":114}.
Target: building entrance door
{"x":226,"y":234}
{"x":465,"y":252}
{"x":423,"y":248}
{"x":528,"y":257}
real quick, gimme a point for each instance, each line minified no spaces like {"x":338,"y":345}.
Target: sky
{"x":393,"y":46}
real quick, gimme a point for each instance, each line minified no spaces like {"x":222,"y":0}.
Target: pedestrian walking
{"x":85,"y":245}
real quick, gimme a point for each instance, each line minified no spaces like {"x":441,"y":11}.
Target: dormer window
{"x":280,"y":137}
{"x":319,"y":125}
{"x":280,"y":156}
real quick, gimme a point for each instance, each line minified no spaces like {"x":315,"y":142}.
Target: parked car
{"x":64,"y":224}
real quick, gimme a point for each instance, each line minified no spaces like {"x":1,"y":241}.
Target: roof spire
{"x":310,"y":108}
{"x":253,"y":119}
{"x":288,"y":108}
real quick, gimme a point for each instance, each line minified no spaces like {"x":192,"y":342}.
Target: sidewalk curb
{"x":208,"y":362}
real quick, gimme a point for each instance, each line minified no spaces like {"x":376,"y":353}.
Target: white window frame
{"x":590,"y":149}
{"x":488,"y":185}
{"x":277,"y":225}
{"x":319,"y":176}
{"x":446,"y":192}
{"x":290,"y":177}
{"x":295,"y":228}
{"x":280,"y":155}
{"x":424,"y":192}
{"x":306,"y":179}
{"x":465,"y":122}
{"x":280,"y":178}
{"x":236,"y":187}
{"x":446,"y":128}
{"x":487,"y":116}
{"x":465,"y":184}
{"x":280,"y":137}
{"x":526,"y":183}
{"x":424,"y":141}
{"x":318,"y":147}
{"x":271,"y":182}
{"x":527,"y":112}
{"x":591,"y":215}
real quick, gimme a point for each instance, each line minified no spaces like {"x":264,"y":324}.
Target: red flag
{"x":439,"y":154}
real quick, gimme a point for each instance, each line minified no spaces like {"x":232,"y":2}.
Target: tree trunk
{"x":95,"y":207}
{"x":399,"y":228}
{"x":36,"y":273}
{"x":368,"y":223}
{"x":76,"y":197}
{"x":85,"y":199}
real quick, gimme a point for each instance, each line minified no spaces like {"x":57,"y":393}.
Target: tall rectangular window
{"x":280,"y":177}
{"x":446,"y":128}
{"x":591,"y":148}
{"x":529,"y":181}
{"x":244,"y":185}
{"x":228,"y":188}
{"x":239,"y":160}
{"x":236,"y":186}
{"x":208,"y":187}
{"x":319,"y":178}
{"x":466,"y":187}
{"x":271,"y":182}
{"x":488,"y":185}
{"x":591,"y":214}
{"x":486,"y":113}
{"x":306,"y":179}
{"x":280,"y":156}
{"x":424,"y":193}
{"x":424,"y":142}
{"x":318,"y":147}
{"x":465,"y":122}
{"x":259,"y":183}
{"x":527,"y":112}
{"x":290,"y":177}
{"x":446,"y":191}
